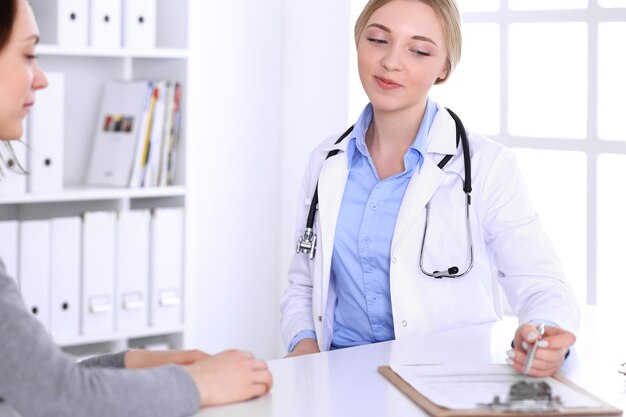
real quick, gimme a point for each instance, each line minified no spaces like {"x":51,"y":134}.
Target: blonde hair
{"x":449,"y":19}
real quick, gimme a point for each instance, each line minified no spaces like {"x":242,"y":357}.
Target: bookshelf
{"x":86,"y":71}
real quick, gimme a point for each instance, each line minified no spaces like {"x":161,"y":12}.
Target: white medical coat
{"x":511,"y":250}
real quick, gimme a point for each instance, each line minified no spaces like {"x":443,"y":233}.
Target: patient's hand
{"x":230,"y":376}
{"x":137,"y":359}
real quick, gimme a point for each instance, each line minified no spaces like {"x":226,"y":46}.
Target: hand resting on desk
{"x":551,"y":351}
{"x":227,"y":377}
{"x":230,"y":376}
{"x":140,"y":358}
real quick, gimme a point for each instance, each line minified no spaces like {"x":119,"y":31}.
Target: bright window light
{"x":478,"y":5}
{"x":611,"y":81}
{"x":548,"y":80}
{"x":473,"y":90}
{"x":611,"y":227}
{"x":612,"y":3}
{"x":557,"y":187}
{"x":547,"y":4}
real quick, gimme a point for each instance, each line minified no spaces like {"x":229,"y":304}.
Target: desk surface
{"x":346,"y":382}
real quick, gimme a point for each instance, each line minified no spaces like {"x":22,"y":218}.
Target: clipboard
{"x":437,"y":411}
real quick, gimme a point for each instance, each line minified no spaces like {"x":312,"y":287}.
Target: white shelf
{"x":93,"y":194}
{"x":159,"y":53}
{"x":112,"y":337}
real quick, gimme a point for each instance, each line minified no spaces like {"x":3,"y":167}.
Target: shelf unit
{"x":86,"y":72}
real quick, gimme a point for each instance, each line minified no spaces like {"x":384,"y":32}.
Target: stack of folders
{"x":99,"y":274}
{"x":97,"y":23}
{"x":137,"y":135}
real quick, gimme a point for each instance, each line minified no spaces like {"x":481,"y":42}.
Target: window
{"x":545,"y":77}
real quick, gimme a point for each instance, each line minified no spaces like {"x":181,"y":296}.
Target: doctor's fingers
{"x":540,"y":366}
{"x":559,"y":338}
{"x":526,"y":331}
{"x":543,"y":357}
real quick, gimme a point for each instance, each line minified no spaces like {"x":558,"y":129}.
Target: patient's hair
{"x":8,"y":10}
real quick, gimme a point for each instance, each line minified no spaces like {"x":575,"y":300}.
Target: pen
{"x":533,"y":350}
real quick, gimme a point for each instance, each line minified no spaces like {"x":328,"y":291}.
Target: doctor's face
{"x":20,"y":74}
{"x":401,"y":53}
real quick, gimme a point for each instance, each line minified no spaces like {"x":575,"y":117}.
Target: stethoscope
{"x":307,"y":243}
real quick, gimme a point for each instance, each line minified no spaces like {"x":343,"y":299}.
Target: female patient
{"x":36,"y":377}
{"x":377,"y":274}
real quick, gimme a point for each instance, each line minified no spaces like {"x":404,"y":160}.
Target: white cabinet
{"x":86,"y":70}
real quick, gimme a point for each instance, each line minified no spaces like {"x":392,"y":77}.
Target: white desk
{"x":346,"y":382}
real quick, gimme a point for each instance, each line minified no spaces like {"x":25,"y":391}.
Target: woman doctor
{"x":373,"y":277}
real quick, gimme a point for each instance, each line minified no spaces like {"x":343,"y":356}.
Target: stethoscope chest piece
{"x":307,"y":243}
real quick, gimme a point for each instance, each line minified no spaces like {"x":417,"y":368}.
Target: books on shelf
{"x":137,"y":135}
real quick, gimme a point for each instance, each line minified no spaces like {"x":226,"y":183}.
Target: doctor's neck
{"x":394,"y":130}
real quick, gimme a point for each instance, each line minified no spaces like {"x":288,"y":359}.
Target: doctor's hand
{"x":551,"y":349}
{"x":304,"y":347}
{"x":140,"y":358}
{"x":230,"y":376}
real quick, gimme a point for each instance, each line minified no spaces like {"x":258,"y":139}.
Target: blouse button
{"x":403,"y":323}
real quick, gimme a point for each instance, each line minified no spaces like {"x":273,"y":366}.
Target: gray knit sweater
{"x":39,"y":379}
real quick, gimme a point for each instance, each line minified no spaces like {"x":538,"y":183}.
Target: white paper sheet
{"x":463,"y":386}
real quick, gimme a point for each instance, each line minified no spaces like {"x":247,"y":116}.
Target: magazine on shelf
{"x":136,"y":134}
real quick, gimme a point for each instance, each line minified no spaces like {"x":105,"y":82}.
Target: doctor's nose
{"x":391,"y":60}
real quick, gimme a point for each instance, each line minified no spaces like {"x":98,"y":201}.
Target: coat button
{"x":403,"y":323}
{"x":319,"y":318}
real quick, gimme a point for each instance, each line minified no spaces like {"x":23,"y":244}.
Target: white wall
{"x":316,"y":71}
{"x":270,"y":81}
{"x":235,"y":115}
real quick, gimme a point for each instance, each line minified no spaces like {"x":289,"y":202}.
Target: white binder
{"x":118,"y":133}
{"x":62,"y":22}
{"x":140,"y":23}
{"x":98,"y":272}
{"x":105,"y":23}
{"x":14,"y":155}
{"x":34,"y":267}
{"x":166,"y":267}
{"x":8,"y":246}
{"x":45,"y":137}
{"x":73,"y":19}
{"x":65,"y":245}
{"x":133,"y":256}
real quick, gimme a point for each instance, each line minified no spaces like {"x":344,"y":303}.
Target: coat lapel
{"x":425,"y":182}
{"x":332,"y":182}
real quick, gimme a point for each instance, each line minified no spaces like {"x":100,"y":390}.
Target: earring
{"x":9,"y":159}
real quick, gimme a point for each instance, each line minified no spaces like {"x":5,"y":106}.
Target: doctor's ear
{"x":444,"y":74}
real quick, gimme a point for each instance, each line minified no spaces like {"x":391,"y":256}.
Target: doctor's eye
{"x":419,"y":53}
{"x":377,"y":41}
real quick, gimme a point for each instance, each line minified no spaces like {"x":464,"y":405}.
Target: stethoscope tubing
{"x":308,"y":242}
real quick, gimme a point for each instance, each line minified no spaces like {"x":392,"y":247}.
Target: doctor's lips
{"x":386,"y":83}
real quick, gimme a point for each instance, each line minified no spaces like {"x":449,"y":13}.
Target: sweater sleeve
{"x":39,"y":379}
{"x":113,"y":360}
